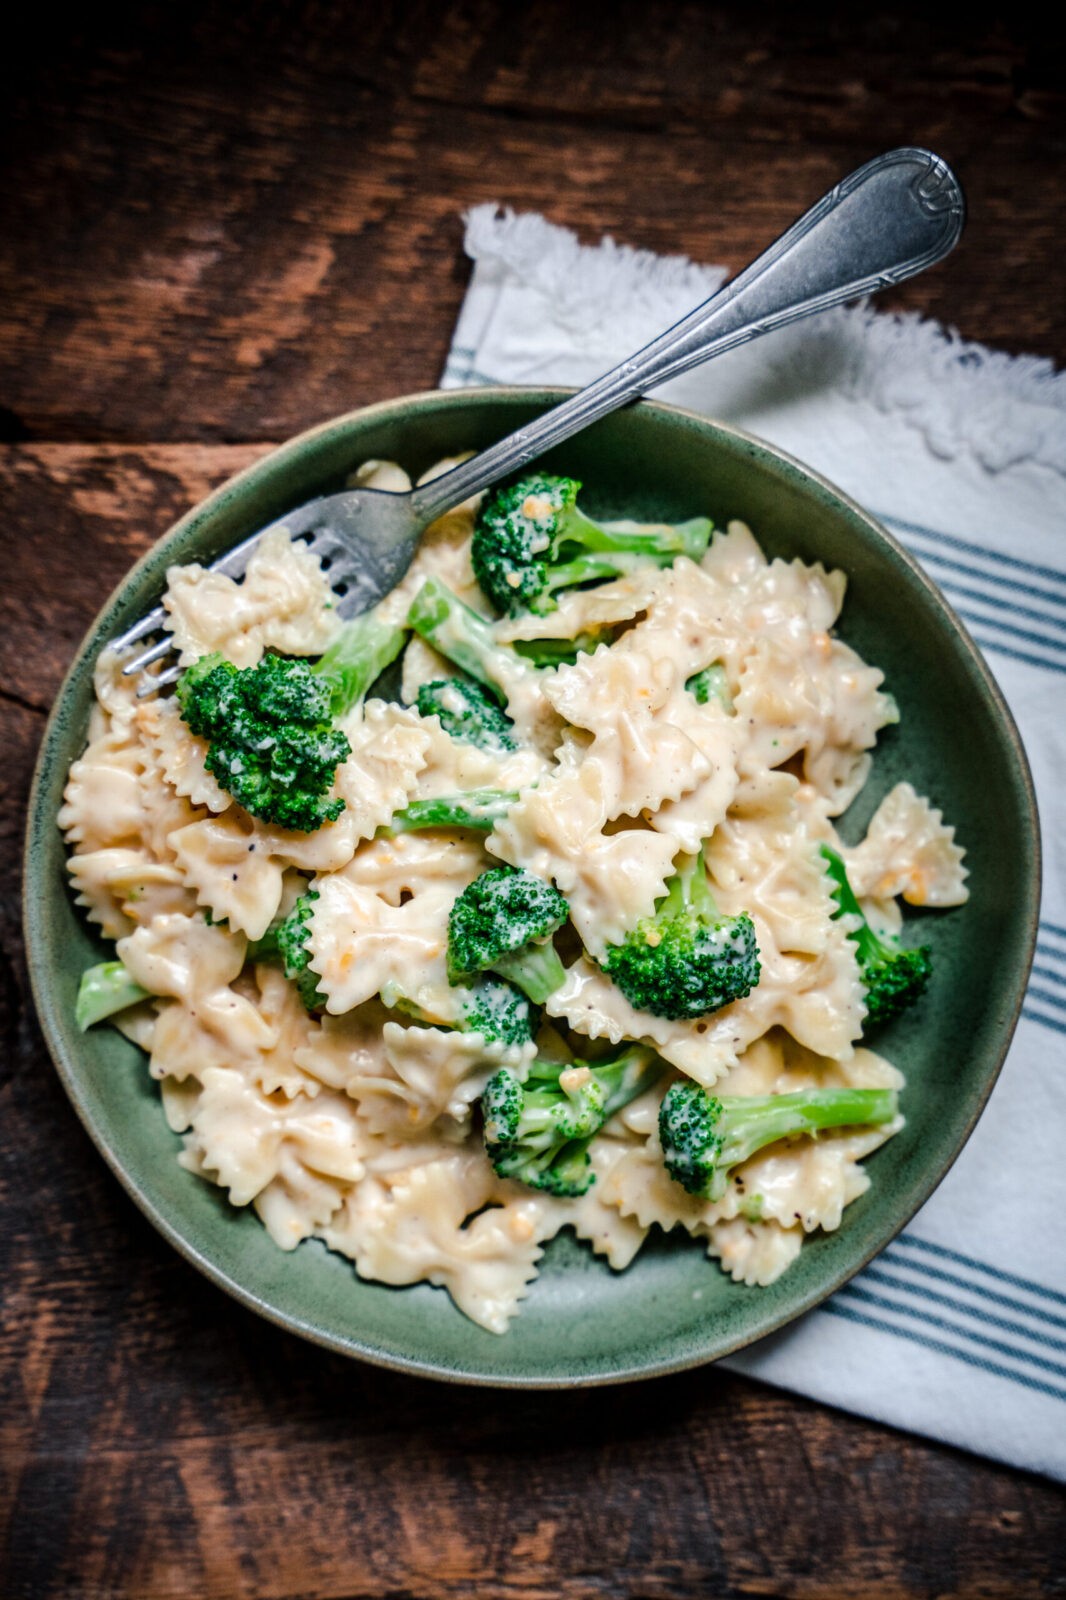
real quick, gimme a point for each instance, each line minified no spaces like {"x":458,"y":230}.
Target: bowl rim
{"x":427,"y":1367}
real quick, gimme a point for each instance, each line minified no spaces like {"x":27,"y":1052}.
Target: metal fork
{"x":889,"y":220}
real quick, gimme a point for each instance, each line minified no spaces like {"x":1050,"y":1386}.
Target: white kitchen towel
{"x":958,"y":1329}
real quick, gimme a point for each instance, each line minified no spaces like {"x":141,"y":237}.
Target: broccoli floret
{"x":539,"y":1130}
{"x":892,"y":975}
{"x":711,"y":686}
{"x":686,"y":959}
{"x":103,"y":990}
{"x":288,"y":940}
{"x":479,"y":809}
{"x":704,"y":1137}
{"x":530,"y":540}
{"x":359,"y":654}
{"x":499,"y":1012}
{"x":271,"y":743}
{"x":455,"y":630}
{"x":468,"y":712}
{"x":497,"y":924}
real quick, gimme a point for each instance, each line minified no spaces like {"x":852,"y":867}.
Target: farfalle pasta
{"x":694,"y":708}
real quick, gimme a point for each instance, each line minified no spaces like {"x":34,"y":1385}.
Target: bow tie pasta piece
{"x":587,"y":610}
{"x":116,"y":885}
{"x":220,"y":1029}
{"x":362,"y":946}
{"x":236,"y":866}
{"x":341,"y":1051}
{"x":609,"y":683}
{"x":610,"y":880}
{"x":283,"y":603}
{"x":229,"y":865}
{"x":753,"y":1253}
{"x":118,"y":813}
{"x":103,"y":800}
{"x":762,"y":858}
{"x":182,"y":957}
{"x":801,"y":690}
{"x":705,"y":1049}
{"x":733,"y":556}
{"x":592,"y":1215}
{"x":427,"y":1074}
{"x":298,"y":1201}
{"x":239,"y":1137}
{"x":390,"y":747}
{"x":693,"y":817}
{"x":181,"y":755}
{"x":202,"y":1020}
{"x":410,"y":1224}
{"x":278,"y":1002}
{"x":397,"y":868}
{"x":908,"y":851}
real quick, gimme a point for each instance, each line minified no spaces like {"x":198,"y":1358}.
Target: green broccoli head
{"x":271,"y":743}
{"x":468,"y":712}
{"x":290,"y":938}
{"x":893,"y":975}
{"x":531,"y":540}
{"x":538,"y":1129}
{"x":501,"y":1013}
{"x":686,"y":960}
{"x":504,"y":921}
{"x":704,"y":1137}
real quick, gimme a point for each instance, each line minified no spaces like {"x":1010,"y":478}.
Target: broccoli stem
{"x":704,"y":1137}
{"x":479,"y":809}
{"x":557,"y":652}
{"x":686,"y":538}
{"x":748,"y":1125}
{"x":359,"y":654}
{"x":103,"y":990}
{"x":689,"y":890}
{"x":536,"y":969}
{"x":456,"y":631}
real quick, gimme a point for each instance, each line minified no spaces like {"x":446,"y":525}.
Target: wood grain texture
{"x":225,"y":226}
{"x":219,"y":227}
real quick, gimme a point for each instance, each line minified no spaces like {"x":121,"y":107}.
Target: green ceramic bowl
{"x":956,"y":742}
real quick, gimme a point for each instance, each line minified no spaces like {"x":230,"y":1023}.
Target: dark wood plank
{"x":225,"y":224}
{"x":158,"y":1441}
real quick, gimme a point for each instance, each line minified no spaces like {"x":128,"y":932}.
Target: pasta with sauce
{"x":358,"y":1122}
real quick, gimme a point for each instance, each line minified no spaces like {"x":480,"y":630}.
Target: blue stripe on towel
{"x":941,"y":1347}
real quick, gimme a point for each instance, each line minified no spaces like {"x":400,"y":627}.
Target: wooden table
{"x":218,"y":230}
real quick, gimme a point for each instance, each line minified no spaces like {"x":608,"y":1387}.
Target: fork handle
{"x":889,"y":220}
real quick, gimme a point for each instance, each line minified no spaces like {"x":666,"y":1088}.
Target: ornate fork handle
{"x":890,"y":219}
